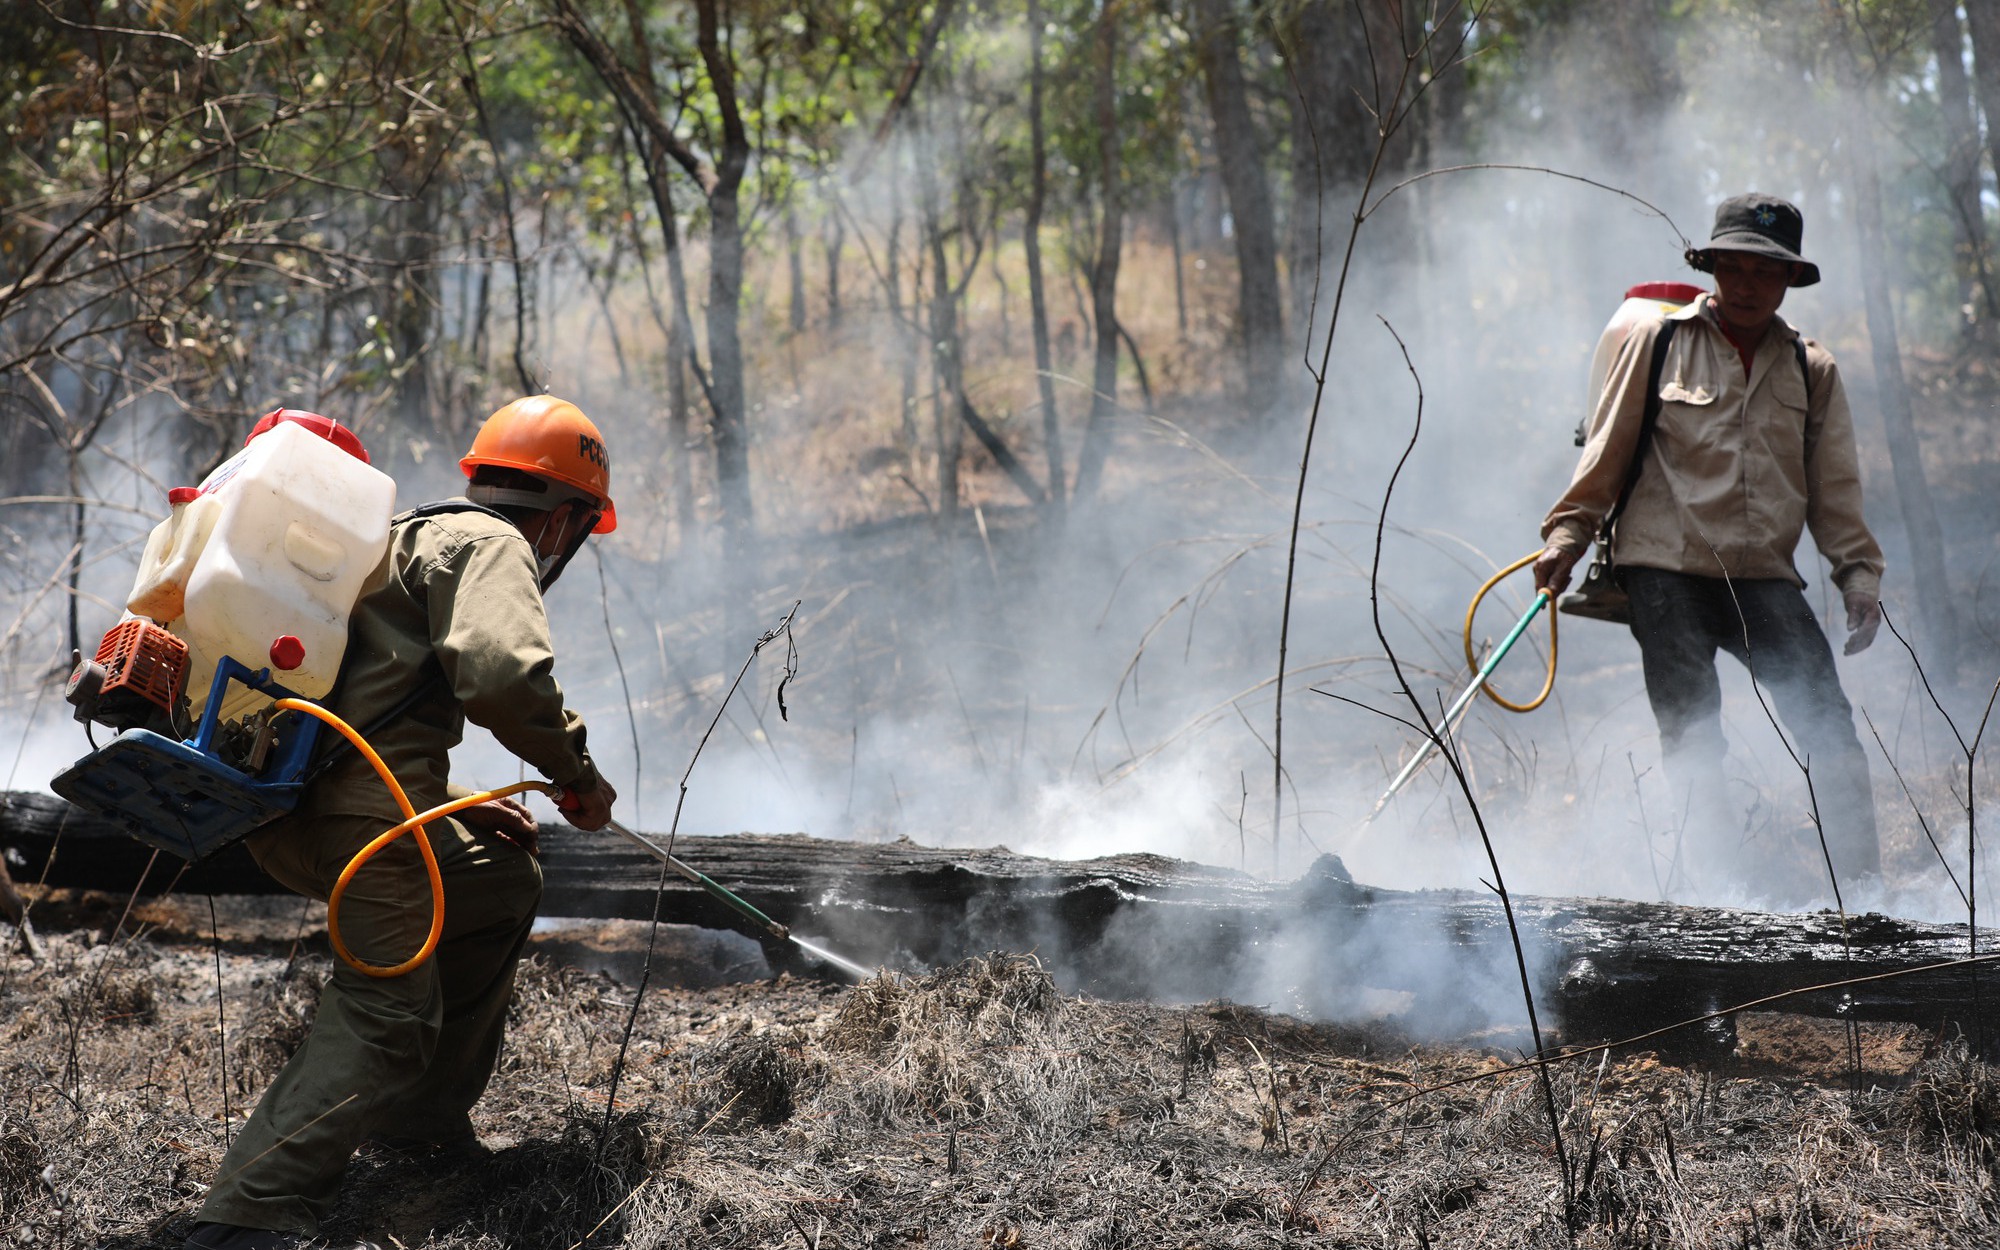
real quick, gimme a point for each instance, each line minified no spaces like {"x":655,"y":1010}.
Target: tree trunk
{"x":725,"y":295}
{"x":1929,"y":580}
{"x":1961,"y":172}
{"x":409,"y":169}
{"x":79,"y":537}
{"x":1104,"y":274}
{"x":679,"y":322}
{"x":1260,"y":310}
{"x":413,"y":295}
{"x":902,"y":320}
{"x":835,"y":239}
{"x":678,"y":326}
{"x":948,"y":379}
{"x":1209,"y":210}
{"x":482,"y":308}
{"x":1031,"y":235}
{"x":1345,"y":93}
{"x":796,"y":268}
{"x":1982,"y":19}
{"x":680,"y":354}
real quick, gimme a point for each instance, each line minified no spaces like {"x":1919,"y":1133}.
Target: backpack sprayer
{"x":266,"y":558}
{"x":1598,"y":597}
{"x":240,"y":604}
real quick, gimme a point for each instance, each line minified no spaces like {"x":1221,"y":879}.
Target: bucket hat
{"x":1761,"y":224}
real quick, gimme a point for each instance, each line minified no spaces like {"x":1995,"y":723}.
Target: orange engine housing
{"x":141,"y":659}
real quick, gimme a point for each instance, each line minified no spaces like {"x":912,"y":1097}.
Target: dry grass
{"x":974,"y":1106}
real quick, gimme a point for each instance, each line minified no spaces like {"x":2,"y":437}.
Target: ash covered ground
{"x":974,"y":1106}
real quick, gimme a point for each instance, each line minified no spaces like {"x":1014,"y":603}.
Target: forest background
{"x":1056,"y":355}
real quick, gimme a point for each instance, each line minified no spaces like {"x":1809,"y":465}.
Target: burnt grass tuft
{"x":973,"y":1106}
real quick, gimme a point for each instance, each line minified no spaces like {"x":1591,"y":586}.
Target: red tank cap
{"x":1668,"y":292}
{"x":326,"y":427}
{"x":182,"y":494}
{"x":287,"y":653}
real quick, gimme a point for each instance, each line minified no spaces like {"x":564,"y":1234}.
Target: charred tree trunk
{"x":1104,"y":273}
{"x":1260,"y":315}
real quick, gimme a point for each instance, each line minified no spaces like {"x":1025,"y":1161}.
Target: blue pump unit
{"x":180,"y":795}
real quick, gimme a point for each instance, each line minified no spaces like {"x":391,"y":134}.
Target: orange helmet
{"x":552,"y":439}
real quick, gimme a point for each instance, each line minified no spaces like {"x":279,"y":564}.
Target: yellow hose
{"x":1472,"y":661}
{"x":413,"y":821}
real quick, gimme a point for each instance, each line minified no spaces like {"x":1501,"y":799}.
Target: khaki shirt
{"x":458,"y":594}
{"x":1739,"y":467}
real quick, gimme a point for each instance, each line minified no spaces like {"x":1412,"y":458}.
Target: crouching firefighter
{"x":449,"y":628}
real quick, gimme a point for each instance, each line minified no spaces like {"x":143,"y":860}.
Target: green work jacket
{"x":455,"y":603}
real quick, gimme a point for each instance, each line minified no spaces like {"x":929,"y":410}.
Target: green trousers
{"x":404,"y":1056}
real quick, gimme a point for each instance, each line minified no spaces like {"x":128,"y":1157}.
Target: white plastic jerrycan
{"x":1648,"y":299}
{"x":265,"y":559}
{"x":161,"y":589}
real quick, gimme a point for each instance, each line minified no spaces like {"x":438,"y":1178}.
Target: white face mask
{"x":550,"y":567}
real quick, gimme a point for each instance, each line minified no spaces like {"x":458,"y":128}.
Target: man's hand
{"x":504,"y":818}
{"x":588,"y":809}
{"x":1864,"y":617}
{"x":1552,"y":568}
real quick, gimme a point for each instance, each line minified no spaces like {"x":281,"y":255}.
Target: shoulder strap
{"x":1799,"y":349}
{"x":432,"y":675}
{"x":444,"y":506}
{"x":1661,"y":342}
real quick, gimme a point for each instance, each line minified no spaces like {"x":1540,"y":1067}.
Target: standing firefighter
{"x":1752,"y":444}
{"x":454,"y":614}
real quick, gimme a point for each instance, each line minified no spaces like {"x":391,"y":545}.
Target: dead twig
{"x":783,"y":629}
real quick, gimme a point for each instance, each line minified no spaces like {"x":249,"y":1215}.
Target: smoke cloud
{"x":1107,"y":686}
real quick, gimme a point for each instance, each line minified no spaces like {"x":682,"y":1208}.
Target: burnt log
{"x":1131,"y":926}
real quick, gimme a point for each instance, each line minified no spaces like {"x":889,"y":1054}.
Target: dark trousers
{"x":1679,"y":621}
{"x":406,"y":1055}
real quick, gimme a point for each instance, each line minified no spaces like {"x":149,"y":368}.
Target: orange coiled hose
{"x":413,"y":822}
{"x":1472,"y":661}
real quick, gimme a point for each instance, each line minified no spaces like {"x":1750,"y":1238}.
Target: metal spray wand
{"x":1458,"y":705}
